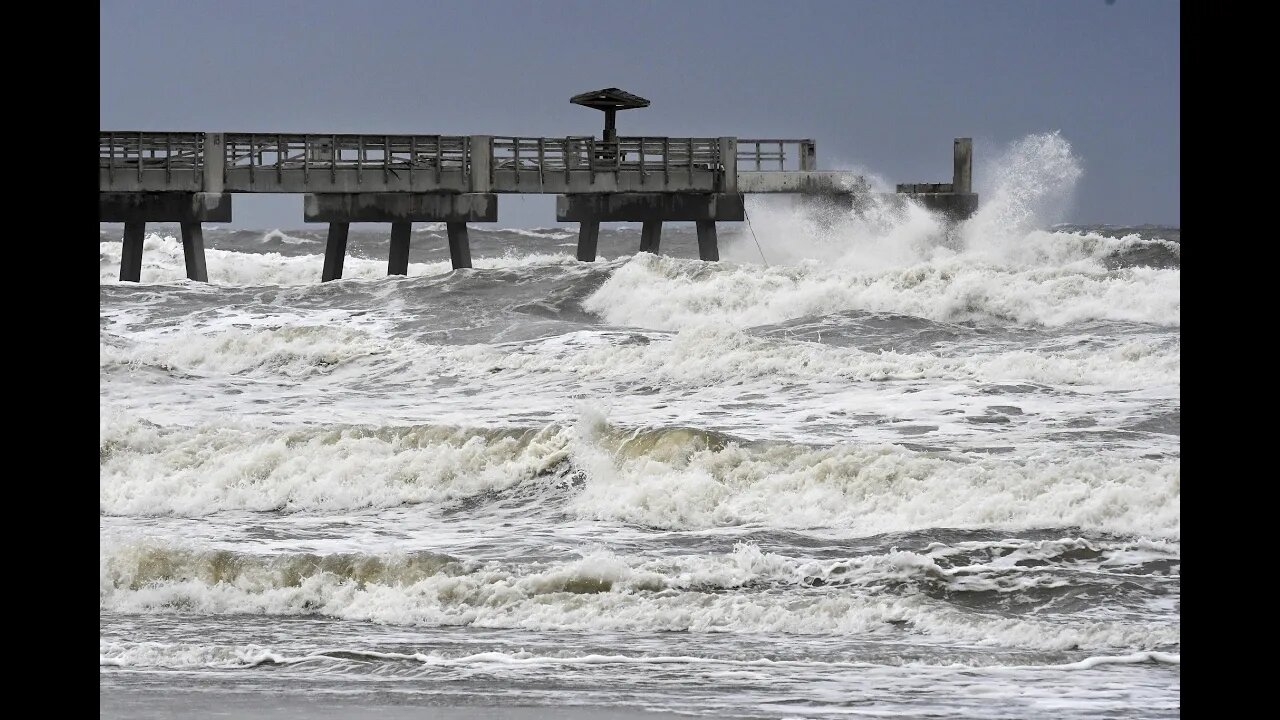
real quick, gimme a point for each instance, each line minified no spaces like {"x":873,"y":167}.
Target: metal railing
{"x":768,"y":155}
{"x":280,"y":162}
{"x":267,"y":152}
{"x":643,"y":154}
{"x":137,"y":152}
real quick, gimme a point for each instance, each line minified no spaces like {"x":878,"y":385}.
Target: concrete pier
{"x":193,"y":251}
{"x":131,"y":256}
{"x":335,"y":251}
{"x":648,"y":207}
{"x":401,"y":210}
{"x":398,"y":258}
{"x":651,"y":210}
{"x":459,"y":245}
{"x":954,"y":200}
{"x":188,"y":209}
{"x":588,"y":238}
{"x":650,"y":236}
{"x":962,"y":173}
{"x":188,"y":178}
{"x":708,"y":247}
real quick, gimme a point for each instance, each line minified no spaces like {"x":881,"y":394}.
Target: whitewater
{"x":868,"y":464}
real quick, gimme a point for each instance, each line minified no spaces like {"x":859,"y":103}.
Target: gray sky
{"x":881,"y":85}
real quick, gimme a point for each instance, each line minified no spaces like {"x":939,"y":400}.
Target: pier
{"x":190,"y":177}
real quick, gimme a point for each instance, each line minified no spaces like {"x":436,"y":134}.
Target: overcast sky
{"x":883,"y":86}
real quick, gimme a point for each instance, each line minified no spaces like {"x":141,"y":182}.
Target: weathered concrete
{"x":651,"y":236}
{"x":708,"y":246}
{"x":588,"y":238}
{"x":131,"y":256}
{"x":459,"y":245}
{"x":962,"y":174}
{"x":400,"y":207}
{"x":954,"y":206}
{"x":799,"y":182}
{"x":576,"y":182}
{"x":729,"y":164}
{"x":215,"y":158}
{"x":347,"y":180}
{"x":188,"y":177}
{"x":398,"y":258}
{"x":481,"y":155}
{"x":335,"y":251}
{"x":809,"y":156}
{"x":164,"y":207}
{"x":193,"y":251}
{"x":641,"y":207}
{"x":925,"y":187}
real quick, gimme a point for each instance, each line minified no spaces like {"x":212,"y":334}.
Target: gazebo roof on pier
{"x":609,"y":99}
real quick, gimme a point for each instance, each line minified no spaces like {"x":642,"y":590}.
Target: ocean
{"x":868,"y":465}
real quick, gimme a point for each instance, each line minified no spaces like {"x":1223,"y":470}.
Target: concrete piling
{"x":193,"y":251}
{"x":650,"y":236}
{"x":588,"y":238}
{"x":131,"y":257}
{"x":962,"y":175}
{"x":398,"y":258}
{"x":708,"y":247}
{"x":459,"y":244}
{"x":335,"y":251}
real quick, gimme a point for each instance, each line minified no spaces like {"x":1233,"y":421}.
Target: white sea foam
{"x":996,"y":265}
{"x":196,"y":471}
{"x":668,"y":479}
{"x":541,"y":233}
{"x":278,"y":235}
{"x":204,"y":655}
{"x":694,"y":357}
{"x":600,"y":591}
{"x":163,"y":263}
{"x":666,"y":293}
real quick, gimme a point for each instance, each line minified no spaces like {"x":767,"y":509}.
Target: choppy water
{"x":898,"y":471}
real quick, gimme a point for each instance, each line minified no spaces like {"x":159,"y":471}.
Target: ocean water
{"x":868,"y":465}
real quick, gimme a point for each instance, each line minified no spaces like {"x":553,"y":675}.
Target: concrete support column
{"x":962,"y":175}
{"x":459,"y":244}
{"x":708,"y":247}
{"x":808,"y":156}
{"x":479,"y":165}
{"x":193,"y":251}
{"x":729,"y":164}
{"x":398,"y":259}
{"x":650,"y":236}
{"x":335,"y":251}
{"x":214,"y":157}
{"x":131,"y":257}
{"x":588,"y":238}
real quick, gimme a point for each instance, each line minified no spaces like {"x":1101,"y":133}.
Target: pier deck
{"x":190,"y":177}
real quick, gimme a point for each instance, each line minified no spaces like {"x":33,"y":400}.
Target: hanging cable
{"x":753,"y":236}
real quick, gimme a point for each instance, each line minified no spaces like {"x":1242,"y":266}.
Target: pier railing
{"x":165,"y":159}
{"x":266,"y":162}
{"x":514,"y":157}
{"x":772,"y":155}
{"x":345,"y":163}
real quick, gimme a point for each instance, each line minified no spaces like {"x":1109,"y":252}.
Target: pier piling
{"x":459,"y":245}
{"x":708,"y":247}
{"x":335,"y":251}
{"x":131,"y":256}
{"x":193,"y":251}
{"x":588,"y":238}
{"x":398,"y":258}
{"x":651,"y":236}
